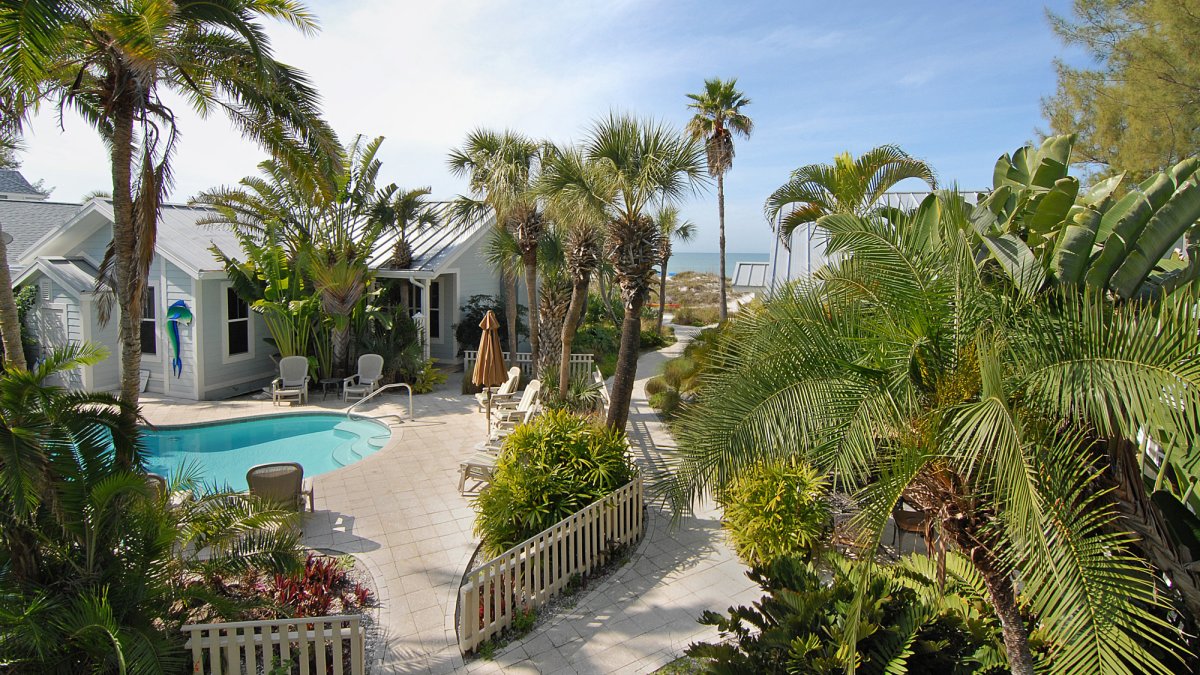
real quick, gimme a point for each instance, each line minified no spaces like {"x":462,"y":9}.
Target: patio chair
{"x":529,"y":399}
{"x":282,"y":483}
{"x":504,"y":393}
{"x":481,"y":466}
{"x":292,"y":381}
{"x":909,"y":521}
{"x":157,"y":483}
{"x":366,"y":380}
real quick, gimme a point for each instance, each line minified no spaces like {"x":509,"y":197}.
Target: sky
{"x":955,"y":84}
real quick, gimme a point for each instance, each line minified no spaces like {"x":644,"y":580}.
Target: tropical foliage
{"x":849,"y":186}
{"x":912,"y":617}
{"x":775,"y":509}
{"x":547,"y":470}
{"x":121,"y":66}
{"x":100,"y":569}
{"x":903,"y":372}
{"x":672,"y":229}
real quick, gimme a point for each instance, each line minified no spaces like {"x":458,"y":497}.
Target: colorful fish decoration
{"x":177,"y":313}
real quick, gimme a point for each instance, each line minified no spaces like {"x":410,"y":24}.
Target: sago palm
{"x":904,"y":375}
{"x":672,"y":229}
{"x":637,"y":164}
{"x":502,"y":169}
{"x":718,"y":119}
{"x":122,"y":66}
{"x":851,"y":185}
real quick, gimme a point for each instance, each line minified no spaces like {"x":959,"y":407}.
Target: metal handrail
{"x":380,"y":390}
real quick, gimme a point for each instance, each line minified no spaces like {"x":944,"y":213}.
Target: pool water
{"x":223,"y":452}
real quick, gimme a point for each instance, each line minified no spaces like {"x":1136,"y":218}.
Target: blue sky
{"x":953,"y":83}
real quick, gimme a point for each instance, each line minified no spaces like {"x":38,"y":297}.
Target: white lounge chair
{"x":529,"y":399}
{"x":281,"y":482}
{"x":480,"y":466}
{"x":505,"y":392}
{"x":292,"y":381}
{"x":366,"y":380}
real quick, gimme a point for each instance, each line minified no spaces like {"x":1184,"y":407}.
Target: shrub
{"x":907,"y":621}
{"x":666,"y":401}
{"x":583,"y":394}
{"x":776,"y":509}
{"x":598,"y":338}
{"x":652,"y":339}
{"x":547,"y":470}
{"x":696,"y":316}
{"x":467,"y":330}
{"x":323,"y":588}
{"x":428,"y":378}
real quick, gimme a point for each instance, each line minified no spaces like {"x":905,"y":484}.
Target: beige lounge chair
{"x":504,"y":393}
{"x":366,"y":380}
{"x":281,"y":482}
{"x":157,"y":483}
{"x":481,"y":466}
{"x":292,"y":382}
{"x":529,"y":399}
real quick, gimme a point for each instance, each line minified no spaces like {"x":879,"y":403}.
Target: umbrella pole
{"x":488,"y":431}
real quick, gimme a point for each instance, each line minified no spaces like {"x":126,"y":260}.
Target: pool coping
{"x":253,"y":417}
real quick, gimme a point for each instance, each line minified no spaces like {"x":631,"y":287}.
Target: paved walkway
{"x":644,"y":616}
{"x":397,"y":511}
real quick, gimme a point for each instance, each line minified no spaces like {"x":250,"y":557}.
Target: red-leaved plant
{"x":323,"y":587}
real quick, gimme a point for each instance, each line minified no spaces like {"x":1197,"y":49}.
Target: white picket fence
{"x":581,"y":364}
{"x":530,"y":574}
{"x":311,"y":645}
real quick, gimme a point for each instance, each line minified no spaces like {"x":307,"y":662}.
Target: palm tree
{"x":331,"y":216}
{"x":633,"y":164}
{"x":670,"y":228}
{"x":115,"y":64}
{"x":718,"y":118}
{"x":408,"y":208}
{"x":564,"y":171}
{"x":904,"y":374}
{"x":849,"y":186}
{"x":502,"y":169}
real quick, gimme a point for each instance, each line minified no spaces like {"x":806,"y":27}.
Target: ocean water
{"x":689,"y":261}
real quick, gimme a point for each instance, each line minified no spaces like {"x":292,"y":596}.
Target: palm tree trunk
{"x":341,"y":349}
{"x":530,"y":262}
{"x":10,"y":319}
{"x":510,"y":311}
{"x":128,"y":291}
{"x":662,"y":295}
{"x":578,"y":302}
{"x":1145,"y":519}
{"x":724,"y":309}
{"x":1004,"y":599}
{"x":623,"y":378}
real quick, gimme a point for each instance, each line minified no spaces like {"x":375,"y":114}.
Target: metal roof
{"x":79,"y":274}
{"x":28,"y":222}
{"x":433,"y":245}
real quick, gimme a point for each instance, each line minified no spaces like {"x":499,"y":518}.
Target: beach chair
{"x":529,"y":399}
{"x":366,"y":380}
{"x":504,"y":393}
{"x":157,"y":483}
{"x":481,"y":466}
{"x":292,"y":382}
{"x":282,"y":483}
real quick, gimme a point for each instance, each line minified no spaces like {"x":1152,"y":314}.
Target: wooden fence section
{"x":528,"y":575}
{"x":581,"y":364}
{"x":323,"y":645}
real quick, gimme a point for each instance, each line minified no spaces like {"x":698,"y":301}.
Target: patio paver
{"x":398,"y":512}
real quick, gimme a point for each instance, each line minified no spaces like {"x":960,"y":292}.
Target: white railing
{"x":382,"y":389}
{"x":530,"y":574}
{"x":320,"y":645}
{"x":581,"y":364}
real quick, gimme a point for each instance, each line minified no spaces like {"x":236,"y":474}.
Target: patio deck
{"x":398,"y":512}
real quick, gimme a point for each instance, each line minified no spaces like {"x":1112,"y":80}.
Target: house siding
{"x":56,"y":323}
{"x":224,"y":378}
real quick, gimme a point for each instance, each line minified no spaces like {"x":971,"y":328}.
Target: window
{"x":237,"y":324}
{"x":435,"y":306}
{"x":149,"y":324}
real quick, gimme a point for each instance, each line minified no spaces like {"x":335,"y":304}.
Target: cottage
{"x":200,"y":340}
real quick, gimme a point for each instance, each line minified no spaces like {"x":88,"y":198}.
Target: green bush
{"x":665,"y":401}
{"x":583,"y":394}
{"x":428,"y":378}
{"x":547,"y":470}
{"x":467,"y":331}
{"x":597,"y":338}
{"x":907,"y":622}
{"x":696,"y":316}
{"x":776,"y":509}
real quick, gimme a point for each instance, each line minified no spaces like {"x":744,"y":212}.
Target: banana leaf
{"x":1166,"y":228}
{"x":1075,"y":244}
{"x":1018,"y":262}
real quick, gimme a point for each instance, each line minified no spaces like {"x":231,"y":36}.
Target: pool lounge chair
{"x":281,"y":482}
{"x":366,"y":380}
{"x":292,"y":381}
{"x":529,"y":399}
{"x":481,"y":466}
{"x":504,"y":393}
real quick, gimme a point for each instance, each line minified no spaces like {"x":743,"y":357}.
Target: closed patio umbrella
{"x":489,"y":366}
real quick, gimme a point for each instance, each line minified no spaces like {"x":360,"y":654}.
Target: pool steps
{"x":350,"y":451}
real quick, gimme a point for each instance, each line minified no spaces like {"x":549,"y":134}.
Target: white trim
{"x":198,"y":343}
{"x":441,"y":325}
{"x":88,"y":378}
{"x":226,"y":357}
{"x":161,"y":321}
{"x":264,"y":375}
{"x":454,"y":310}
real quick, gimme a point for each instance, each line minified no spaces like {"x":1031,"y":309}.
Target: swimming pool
{"x":224,"y":451}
